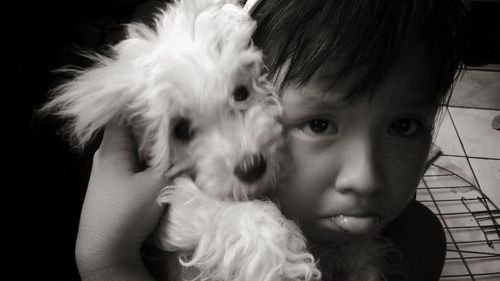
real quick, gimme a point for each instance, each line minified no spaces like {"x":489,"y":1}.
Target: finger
{"x":119,"y":147}
{"x":156,"y":178}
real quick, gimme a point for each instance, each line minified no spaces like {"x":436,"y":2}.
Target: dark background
{"x":44,"y":183}
{"x":45,"y":180}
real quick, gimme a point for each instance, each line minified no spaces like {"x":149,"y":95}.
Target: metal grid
{"x":471,"y":222}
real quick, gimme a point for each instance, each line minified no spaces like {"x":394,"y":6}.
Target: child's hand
{"x":119,"y":211}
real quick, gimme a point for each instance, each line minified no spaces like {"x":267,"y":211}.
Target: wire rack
{"x":471,"y":223}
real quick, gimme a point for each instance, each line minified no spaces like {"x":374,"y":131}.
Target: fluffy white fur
{"x":182,"y":75}
{"x":245,"y":240}
{"x":187,"y":68}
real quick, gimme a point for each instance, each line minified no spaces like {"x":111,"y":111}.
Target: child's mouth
{"x":357,"y":225}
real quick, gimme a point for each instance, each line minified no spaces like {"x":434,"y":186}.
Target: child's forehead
{"x":408,"y":81}
{"x":312,"y":96}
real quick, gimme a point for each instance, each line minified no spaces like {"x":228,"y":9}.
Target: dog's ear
{"x":152,"y":131}
{"x":98,"y":94}
{"x":228,"y":27}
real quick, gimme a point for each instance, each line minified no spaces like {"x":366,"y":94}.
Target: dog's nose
{"x":251,"y":168}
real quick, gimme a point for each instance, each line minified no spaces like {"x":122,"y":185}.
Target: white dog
{"x":194,"y":91}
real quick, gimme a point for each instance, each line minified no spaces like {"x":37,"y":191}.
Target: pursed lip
{"x":351,"y":213}
{"x":354,"y":223}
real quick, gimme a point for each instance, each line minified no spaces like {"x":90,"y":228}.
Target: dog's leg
{"x":240,"y":241}
{"x":252,"y":241}
{"x":188,"y":213}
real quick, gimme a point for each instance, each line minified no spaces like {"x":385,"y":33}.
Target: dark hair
{"x":368,"y":33}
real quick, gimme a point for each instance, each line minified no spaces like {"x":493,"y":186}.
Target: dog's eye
{"x":240,"y":93}
{"x":183,"y":130}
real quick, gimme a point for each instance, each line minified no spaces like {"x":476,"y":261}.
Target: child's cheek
{"x":309,"y":144}
{"x":407,"y":166}
{"x":309,"y":166}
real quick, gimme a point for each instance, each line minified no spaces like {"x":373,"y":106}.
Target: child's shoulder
{"x":420,"y":238}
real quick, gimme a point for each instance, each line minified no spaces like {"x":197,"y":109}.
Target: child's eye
{"x":405,"y":127}
{"x":320,"y":126}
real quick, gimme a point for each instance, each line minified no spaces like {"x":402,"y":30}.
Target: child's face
{"x":355,"y":164}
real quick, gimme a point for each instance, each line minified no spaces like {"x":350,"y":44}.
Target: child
{"x":361,"y":83}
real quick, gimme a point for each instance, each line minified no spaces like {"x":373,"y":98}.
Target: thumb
{"x":119,"y":147}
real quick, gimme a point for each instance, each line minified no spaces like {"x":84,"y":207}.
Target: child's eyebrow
{"x":319,"y":101}
{"x":413,"y":98}
{"x":306,"y":103}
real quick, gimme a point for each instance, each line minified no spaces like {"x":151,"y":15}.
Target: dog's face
{"x":228,"y":137}
{"x":194,"y":92}
{"x":221,"y":111}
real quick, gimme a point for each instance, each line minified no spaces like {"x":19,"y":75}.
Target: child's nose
{"x":361,"y":170}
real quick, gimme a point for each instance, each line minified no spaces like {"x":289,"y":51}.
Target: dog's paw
{"x":300,"y":263}
{"x":188,"y":213}
{"x":252,"y":241}
{"x":182,"y":190}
